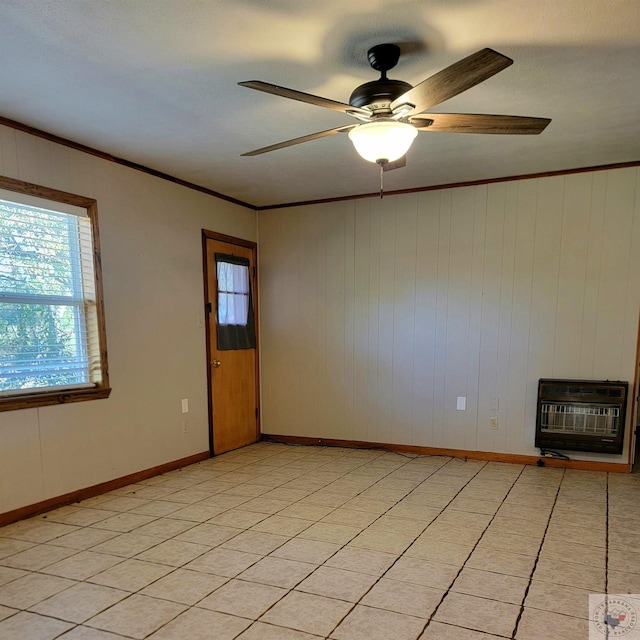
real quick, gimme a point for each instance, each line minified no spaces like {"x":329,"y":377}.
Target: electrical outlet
{"x":461,"y":403}
{"x":493,"y":423}
{"x":185,"y":427}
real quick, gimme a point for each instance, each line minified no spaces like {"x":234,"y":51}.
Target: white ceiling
{"x":154,"y":82}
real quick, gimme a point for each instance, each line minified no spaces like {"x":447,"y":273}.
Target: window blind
{"x":48,"y":320}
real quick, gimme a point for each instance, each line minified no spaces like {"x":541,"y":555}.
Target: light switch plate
{"x":461,"y":403}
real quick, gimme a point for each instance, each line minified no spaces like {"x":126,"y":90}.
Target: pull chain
{"x":381,"y":165}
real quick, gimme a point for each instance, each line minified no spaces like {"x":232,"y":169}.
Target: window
{"x":236,"y":322}
{"x":52,"y":338}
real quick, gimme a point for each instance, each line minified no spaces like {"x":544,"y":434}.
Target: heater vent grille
{"x":574,"y":418}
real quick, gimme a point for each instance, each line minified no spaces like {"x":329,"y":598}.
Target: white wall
{"x":376,"y":315}
{"x":153,"y":287}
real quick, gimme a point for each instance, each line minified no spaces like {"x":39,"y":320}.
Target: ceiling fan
{"x":392,"y":112}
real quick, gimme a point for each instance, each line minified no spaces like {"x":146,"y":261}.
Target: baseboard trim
{"x":97,"y":489}
{"x":584,"y":465}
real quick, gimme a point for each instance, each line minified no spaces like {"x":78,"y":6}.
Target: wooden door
{"x":233,"y":379}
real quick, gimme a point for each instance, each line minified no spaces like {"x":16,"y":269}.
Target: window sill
{"x":31,"y":400}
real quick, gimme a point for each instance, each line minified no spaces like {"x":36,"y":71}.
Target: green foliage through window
{"x":43,"y":298}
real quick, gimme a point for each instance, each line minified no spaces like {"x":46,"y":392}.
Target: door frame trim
{"x":221,"y":237}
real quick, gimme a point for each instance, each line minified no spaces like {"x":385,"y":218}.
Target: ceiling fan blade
{"x":479,"y":123}
{"x":290,"y":143}
{"x":396,"y":164}
{"x":303,"y":97}
{"x":455,"y":79}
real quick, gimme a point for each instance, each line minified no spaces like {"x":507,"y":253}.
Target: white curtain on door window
{"x":233,"y":294}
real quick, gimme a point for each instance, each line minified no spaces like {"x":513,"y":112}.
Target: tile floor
{"x":276,"y":542}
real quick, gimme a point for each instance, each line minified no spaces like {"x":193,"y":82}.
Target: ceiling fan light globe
{"x":380,"y":141}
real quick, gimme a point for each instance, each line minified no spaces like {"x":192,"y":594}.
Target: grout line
{"x":535,"y":563}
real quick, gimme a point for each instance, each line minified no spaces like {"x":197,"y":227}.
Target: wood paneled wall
{"x":376,"y":315}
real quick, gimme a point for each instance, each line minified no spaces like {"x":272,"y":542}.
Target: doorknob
{"x":216,"y":363}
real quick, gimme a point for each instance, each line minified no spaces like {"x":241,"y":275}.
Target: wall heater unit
{"x":581,"y":415}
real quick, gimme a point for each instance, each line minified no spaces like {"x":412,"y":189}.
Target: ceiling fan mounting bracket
{"x":383,"y":57}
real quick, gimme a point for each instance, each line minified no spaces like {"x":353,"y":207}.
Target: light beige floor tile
{"x":568,"y":601}
{"x":330,"y":532}
{"x":350,"y":517}
{"x":281,"y":525}
{"x":164,"y":528}
{"x":6,"y":612}
{"x":261,"y":505}
{"x":137,"y":616}
{"x":475,"y":521}
{"x":307,"y":612}
{"x":183,"y":586}
{"x":85,"y":538}
{"x":30,"y":626}
{"x":126,"y":545}
{"x":446,"y":552}
{"x":122,"y":503}
{"x":255,"y":542}
{"x":262,"y":631}
{"x":337,"y":583}
{"x":79,"y":603}
{"x":403,"y":597}
{"x":173,"y":552}
{"x":519,"y":526}
{"x":313,"y":551}
{"x":238,"y":519}
{"x":385,"y":541}
{"x":81,"y":517}
{"x":573,"y":575}
{"x":425,"y":572}
{"x":196,"y":512}
{"x":278,"y":572}
{"x":456,"y":534}
{"x":31,"y":589}
{"x":306,"y":511}
{"x":624,"y":582}
{"x":558,"y":550}
{"x":511,"y":564}
{"x":542,"y":625}
{"x":475,"y":506}
{"x":225,"y":501}
{"x":223,"y":562}
{"x":367,"y":561}
{"x":424,"y":512}
{"x":34,"y":530}
{"x":9,"y":547}
{"x":8,"y":574}
{"x":577,"y":535}
{"x":367,"y":623}
{"x":244,"y":599}
{"x":510,"y":542}
{"x":208,"y":534}
{"x":83,"y":565}
{"x":480,"y":614}
{"x":440,"y":631}
{"x":131,"y":575}
{"x":200,"y":624}
{"x":123,"y":522}
{"x":487,"y":584}
{"x":376,"y":507}
{"x":157,"y":508}
{"x":37,"y":557}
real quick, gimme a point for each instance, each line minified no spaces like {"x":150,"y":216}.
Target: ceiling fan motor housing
{"x":378,"y":94}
